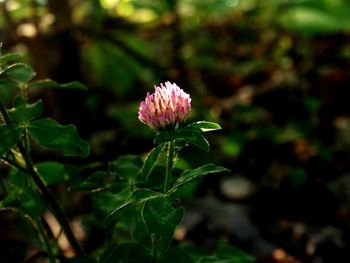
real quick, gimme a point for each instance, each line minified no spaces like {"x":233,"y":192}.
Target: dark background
{"x":275,"y":74}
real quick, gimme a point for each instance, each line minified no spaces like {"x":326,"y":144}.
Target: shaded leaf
{"x":9,"y":135}
{"x":128,"y":166}
{"x":50,"y":134}
{"x":150,"y":161}
{"x":80,"y":259}
{"x":52,"y":172}
{"x":161,"y":219}
{"x":8,"y":84}
{"x":128,"y":252}
{"x":176,"y":254}
{"x":233,"y":254}
{"x":139,"y":196}
{"x":93,"y":182}
{"x":23,"y":112}
{"x":19,"y":72}
{"x":32,"y":203}
{"x":192,"y":136}
{"x":192,"y":174}
{"x":10,"y":57}
{"x":48,"y":83}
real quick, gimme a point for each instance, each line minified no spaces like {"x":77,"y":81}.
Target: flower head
{"x":168,"y":106}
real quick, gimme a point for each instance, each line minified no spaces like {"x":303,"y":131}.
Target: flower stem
{"x":169,"y":165}
{"x":45,"y":240}
{"x":47,"y":195}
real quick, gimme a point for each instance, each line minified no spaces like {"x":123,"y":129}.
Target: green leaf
{"x":139,"y":196}
{"x":48,"y":83}
{"x":150,"y":161}
{"x":19,"y":72}
{"x":103,"y":202}
{"x":315,"y":20}
{"x":213,"y":259}
{"x":192,"y":136}
{"x":176,"y":254}
{"x":10,"y":57}
{"x":18,"y":178}
{"x":131,"y":252}
{"x":93,"y":182}
{"x":128,"y":166}
{"x":233,"y":254}
{"x":161,"y":219}
{"x":50,"y":134}
{"x":80,"y":259}
{"x":9,"y":135}
{"x":32,"y":203}
{"x":204,"y":126}
{"x":23,"y":112}
{"x":52,"y":172}
{"x":8,"y":84}
{"x":192,"y":174}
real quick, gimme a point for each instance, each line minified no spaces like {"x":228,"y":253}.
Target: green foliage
{"x":151,"y":160}
{"x":191,"y":134}
{"x":9,"y":137}
{"x":50,"y":134}
{"x":18,"y":72}
{"x":189,"y":175}
{"x":161,"y":219}
{"x":22,"y":112}
{"x":52,"y":172}
{"x":48,"y":83}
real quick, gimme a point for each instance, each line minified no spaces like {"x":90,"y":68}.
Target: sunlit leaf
{"x":50,"y":134}
{"x":203,"y":126}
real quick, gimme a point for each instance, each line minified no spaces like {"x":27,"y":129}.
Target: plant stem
{"x":45,"y":240}
{"x":169,"y":165}
{"x":50,"y":201}
{"x":47,"y":195}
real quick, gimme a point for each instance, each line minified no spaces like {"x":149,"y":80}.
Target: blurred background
{"x":275,"y":74}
